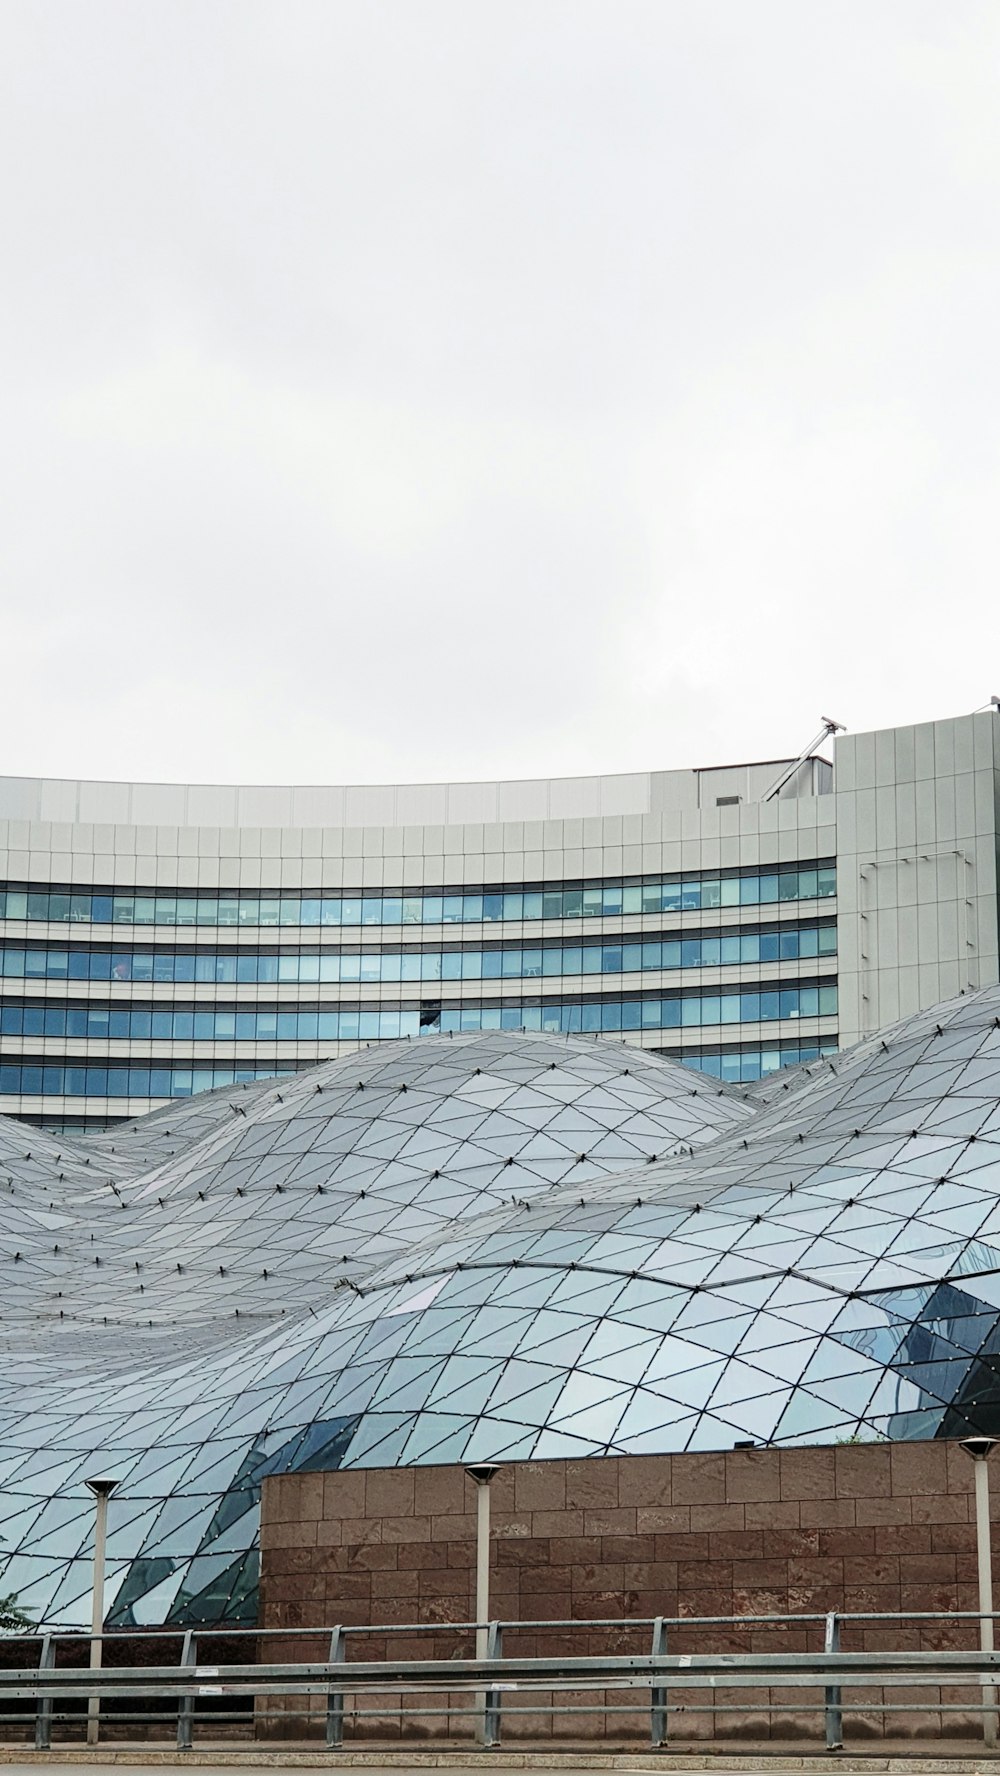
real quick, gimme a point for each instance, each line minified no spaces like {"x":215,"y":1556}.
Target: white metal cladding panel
{"x":621,"y":793}
{"x":106,"y":854}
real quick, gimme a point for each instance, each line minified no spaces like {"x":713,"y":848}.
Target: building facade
{"x":158,"y":940}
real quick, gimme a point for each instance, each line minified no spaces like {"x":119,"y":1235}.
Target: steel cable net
{"x":494,"y":1247}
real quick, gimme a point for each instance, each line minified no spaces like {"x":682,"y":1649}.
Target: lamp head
{"x":482,"y":1473}
{"x":102,"y":1488}
{"x":978,"y":1447}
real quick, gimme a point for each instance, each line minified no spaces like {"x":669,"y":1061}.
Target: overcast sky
{"x":402,"y":389}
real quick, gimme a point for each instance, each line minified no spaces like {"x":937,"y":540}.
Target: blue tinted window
{"x":608,"y":899}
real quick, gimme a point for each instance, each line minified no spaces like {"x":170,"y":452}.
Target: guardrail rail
{"x":474,"y":1697}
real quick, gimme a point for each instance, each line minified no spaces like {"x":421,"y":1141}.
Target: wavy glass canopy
{"x":487,"y":1247}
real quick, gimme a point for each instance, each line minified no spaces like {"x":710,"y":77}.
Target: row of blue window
{"x":122,"y":1082}
{"x":183,"y":1082}
{"x":101,"y":1023}
{"x":778,"y":945}
{"x":669,"y":894}
{"x":741,"y":1066}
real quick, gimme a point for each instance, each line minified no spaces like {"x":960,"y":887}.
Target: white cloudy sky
{"x":413,"y":388}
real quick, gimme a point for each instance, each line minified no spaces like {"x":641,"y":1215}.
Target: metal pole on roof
{"x":829,"y":727}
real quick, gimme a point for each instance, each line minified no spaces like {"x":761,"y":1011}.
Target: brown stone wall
{"x":859,"y":1528}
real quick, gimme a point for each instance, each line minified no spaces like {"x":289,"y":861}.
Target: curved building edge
{"x":159,"y":939}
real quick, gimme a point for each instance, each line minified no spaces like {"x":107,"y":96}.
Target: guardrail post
{"x":335,"y":1698}
{"x":185,"y":1706}
{"x":43,"y":1713}
{"x":491,"y":1700}
{"x":658,"y":1694}
{"x":834,"y":1716}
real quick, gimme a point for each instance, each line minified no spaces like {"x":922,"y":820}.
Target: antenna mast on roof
{"x":829,"y":727}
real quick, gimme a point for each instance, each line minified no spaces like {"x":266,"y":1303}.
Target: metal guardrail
{"x":494,"y":1683}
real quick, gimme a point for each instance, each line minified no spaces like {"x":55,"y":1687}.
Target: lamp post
{"x":482,"y":1473}
{"x":102,"y":1490}
{"x":980,"y":1448}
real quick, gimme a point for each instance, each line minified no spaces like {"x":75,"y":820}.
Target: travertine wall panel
{"x":873,"y":1529}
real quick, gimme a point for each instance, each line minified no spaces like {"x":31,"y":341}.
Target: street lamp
{"x":102,"y":1490}
{"x":980,"y":1448}
{"x":482,"y":1473}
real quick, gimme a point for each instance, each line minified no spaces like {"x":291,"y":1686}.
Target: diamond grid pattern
{"x":500,"y":1246}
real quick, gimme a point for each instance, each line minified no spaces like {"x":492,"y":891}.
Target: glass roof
{"x":484,"y":1247}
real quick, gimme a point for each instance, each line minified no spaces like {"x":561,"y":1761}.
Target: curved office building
{"x":160,"y":940}
{"x":489,"y":1246}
